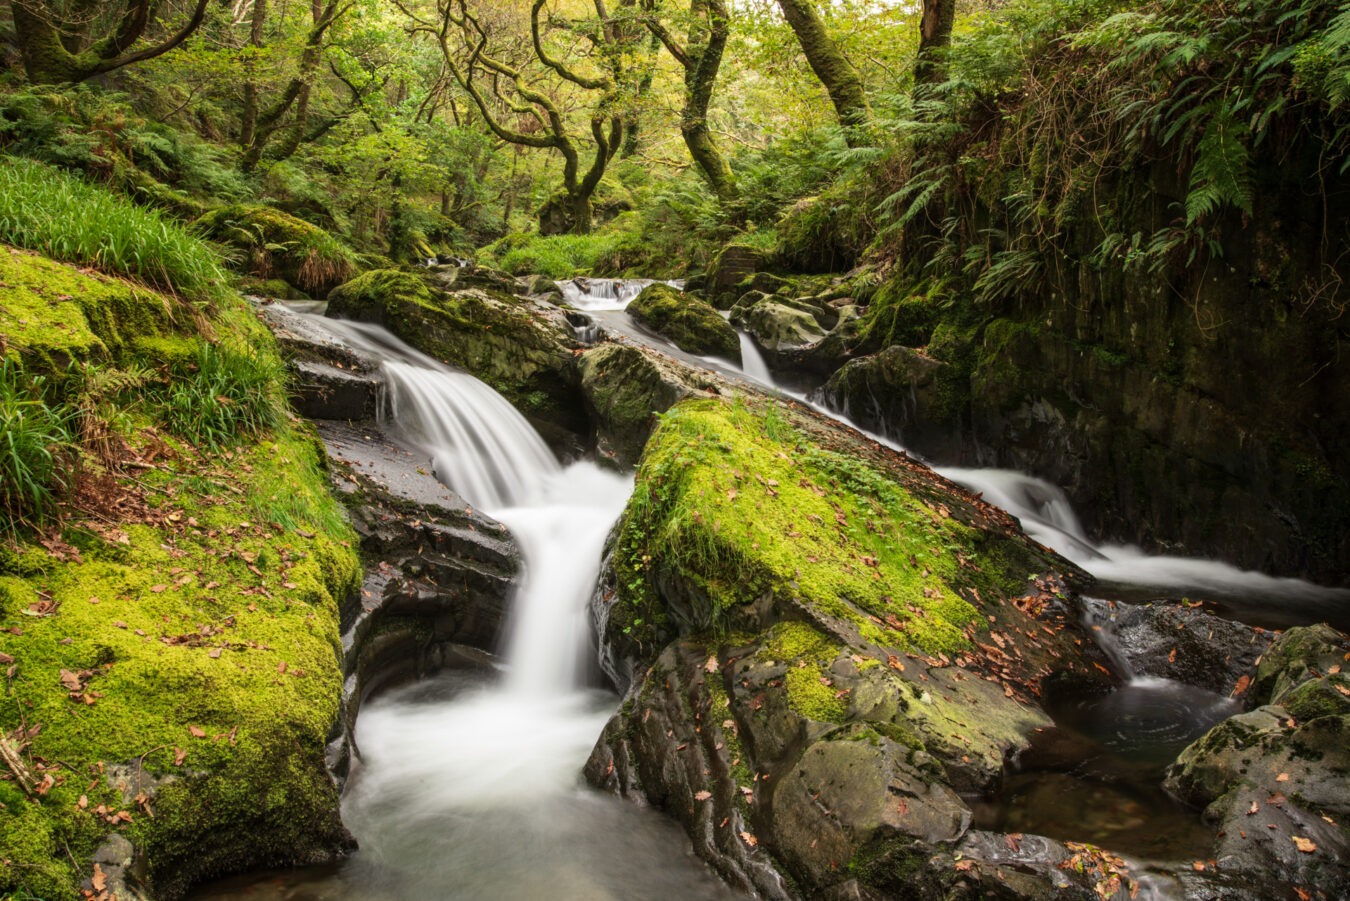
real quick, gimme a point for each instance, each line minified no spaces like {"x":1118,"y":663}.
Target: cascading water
{"x":752,"y":361}
{"x":468,"y":788}
{"x":607,"y":293}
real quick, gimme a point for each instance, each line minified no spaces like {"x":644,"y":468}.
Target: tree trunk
{"x":248,"y":115}
{"x":935,"y":36}
{"x":835,"y":72}
{"x":706,"y":47}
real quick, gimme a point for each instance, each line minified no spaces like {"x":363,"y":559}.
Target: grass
{"x":224,"y":395}
{"x":558,"y":256}
{"x":36,"y":443}
{"x":69,"y":219}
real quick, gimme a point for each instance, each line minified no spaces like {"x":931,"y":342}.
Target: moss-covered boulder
{"x":805,"y":616}
{"x":278,"y":244}
{"x":733,"y":264}
{"x":626,"y":388}
{"x":692,"y":324}
{"x":898,"y":392}
{"x":778,"y":327}
{"x":822,"y":234}
{"x":522,"y":349}
{"x":171,"y":642}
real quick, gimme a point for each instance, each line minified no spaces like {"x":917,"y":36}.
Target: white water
{"x":607,"y":293}
{"x":468,"y":789}
{"x":752,"y":361}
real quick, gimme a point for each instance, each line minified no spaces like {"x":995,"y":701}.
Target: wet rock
{"x":625,"y":387}
{"x":693,"y":325}
{"x":328,"y":379}
{"x":1174,"y":641}
{"x":1273,"y":780}
{"x":897,"y":392}
{"x":777,"y":327}
{"x":729,"y":268}
{"x":438,"y":578}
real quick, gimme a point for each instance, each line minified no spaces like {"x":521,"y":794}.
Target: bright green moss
{"x":731,"y":502}
{"x":692,"y":324}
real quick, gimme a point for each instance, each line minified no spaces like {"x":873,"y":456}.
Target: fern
{"x":1222,"y":171}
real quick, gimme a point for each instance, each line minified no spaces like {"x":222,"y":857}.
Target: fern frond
{"x":1222,"y":171}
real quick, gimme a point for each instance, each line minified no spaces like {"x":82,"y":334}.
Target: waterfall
{"x":752,"y":361}
{"x":607,"y":293}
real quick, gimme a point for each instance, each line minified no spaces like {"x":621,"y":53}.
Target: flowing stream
{"x":468,"y":786}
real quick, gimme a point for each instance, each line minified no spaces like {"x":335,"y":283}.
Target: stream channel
{"x":469,"y":786}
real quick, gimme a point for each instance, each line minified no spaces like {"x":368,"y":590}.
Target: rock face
{"x":437,"y":581}
{"x":1275,"y":779}
{"x":691,"y":324}
{"x":897,"y":392}
{"x":466,"y":317}
{"x":733,"y":264}
{"x":328,"y":379}
{"x":812,"y":683}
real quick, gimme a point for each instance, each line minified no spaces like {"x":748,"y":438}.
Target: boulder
{"x":810,"y":684}
{"x":278,"y":244}
{"x":625,"y":388}
{"x":897,"y":392}
{"x":732,"y":264}
{"x":777,"y":327}
{"x":691,"y":324}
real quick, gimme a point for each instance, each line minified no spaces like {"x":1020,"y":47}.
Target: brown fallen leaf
{"x":702,"y":796}
{"x":1198,"y":866}
{"x":197,"y":732}
{"x":157,"y":589}
{"x":179,"y":755}
{"x":100,"y":879}
{"x":1253,"y":809}
{"x":711,"y":665}
{"x":965,"y":865}
{"x":1242,"y":684}
{"x":749,"y":839}
{"x":1306,"y":845}
{"x":1283,"y":777}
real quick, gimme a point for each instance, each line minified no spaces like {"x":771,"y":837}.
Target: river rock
{"x":777,"y":327}
{"x":1274,"y":779}
{"x":625,"y":388}
{"x":438,"y":577}
{"x":693,"y":325}
{"x":897,"y":392}
{"x":811,"y":688}
{"x":730,"y":267}
{"x":328,"y":379}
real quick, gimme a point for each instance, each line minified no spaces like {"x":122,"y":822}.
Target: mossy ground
{"x":179,"y":623}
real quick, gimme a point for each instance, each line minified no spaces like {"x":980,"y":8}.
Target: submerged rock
{"x":691,"y":324}
{"x":828,"y":645}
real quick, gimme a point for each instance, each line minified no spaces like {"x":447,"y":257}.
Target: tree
{"x":701,"y":57}
{"x":500,"y":88}
{"x":935,"y":36}
{"x":832,"y":67}
{"x":71,"y":41}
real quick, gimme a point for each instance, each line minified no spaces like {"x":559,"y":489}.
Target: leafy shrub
{"x":66,"y":218}
{"x":37,"y":447}
{"x":223,"y":396}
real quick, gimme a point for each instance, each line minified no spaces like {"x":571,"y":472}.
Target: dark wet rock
{"x":1275,"y":780}
{"x":693,"y":325}
{"x":1175,"y":641}
{"x":897,"y":392}
{"x":438,"y":575}
{"x":328,"y":379}
{"x":625,"y":388}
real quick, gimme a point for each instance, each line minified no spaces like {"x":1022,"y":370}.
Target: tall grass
{"x":225,"y":395}
{"x":37,"y":448}
{"x":560,"y":256}
{"x":60,"y":215}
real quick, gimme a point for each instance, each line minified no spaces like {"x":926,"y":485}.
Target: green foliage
{"x":226,"y":394}
{"x":69,"y":219}
{"x":299,"y":252}
{"x":562,"y":256}
{"x":1222,"y":170}
{"x":37,"y":447}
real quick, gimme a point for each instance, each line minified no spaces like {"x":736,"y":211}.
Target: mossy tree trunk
{"x":58,"y":42}
{"x":832,"y":67}
{"x":701,"y":57}
{"x":935,"y":36}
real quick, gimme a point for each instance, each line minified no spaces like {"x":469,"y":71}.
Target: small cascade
{"x":583,"y":327}
{"x":607,"y":293}
{"x":752,"y":361}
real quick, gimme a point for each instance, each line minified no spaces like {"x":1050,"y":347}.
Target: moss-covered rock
{"x":625,"y":388}
{"x":733,"y":264}
{"x":173,"y":642}
{"x":276,"y":243}
{"x":51,"y":314}
{"x":778,"y":327}
{"x":842,"y":626}
{"x":897,"y":392}
{"x":692,"y":324}
{"x":520,"y":348}
{"x":822,"y":234}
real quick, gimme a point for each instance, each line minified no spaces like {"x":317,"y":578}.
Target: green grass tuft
{"x":36,"y":446}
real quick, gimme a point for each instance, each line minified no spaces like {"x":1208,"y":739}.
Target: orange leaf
{"x":1242,"y":684}
{"x":749,"y":839}
{"x":197,"y":732}
{"x":1306,"y":845}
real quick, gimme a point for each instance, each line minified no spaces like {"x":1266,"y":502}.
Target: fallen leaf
{"x":1283,"y":777}
{"x":159,"y":588}
{"x":711,"y":665}
{"x":1242,"y":684}
{"x":179,"y":755}
{"x":1306,"y":845}
{"x":197,"y":732}
{"x":1253,"y":809}
{"x":100,"y":879}
{"x":749,"y":839}
{"x":1198,"y":866}
{"x":702,"y":796}
{"x":965,"y":865}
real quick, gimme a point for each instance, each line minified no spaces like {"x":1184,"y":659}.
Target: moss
{"x":51,"y":313}
{"x":731,"y":502}
{"x":693,"y":325}
{"x":300,"y":253}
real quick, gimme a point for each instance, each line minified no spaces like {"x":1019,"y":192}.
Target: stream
{"x":469,"y":786}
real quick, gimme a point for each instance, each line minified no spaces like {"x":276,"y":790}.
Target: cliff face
{"x":1209,"y":411}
